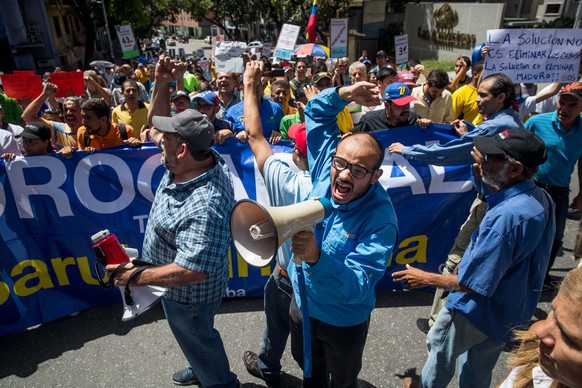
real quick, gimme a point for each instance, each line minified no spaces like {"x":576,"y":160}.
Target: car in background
{"x":256,"y":45}
{"x":171,"y":42}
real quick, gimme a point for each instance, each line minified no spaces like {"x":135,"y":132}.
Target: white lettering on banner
{"x":2,"y":200}
{"x":240,"y":192}
{"x":411,"y":177}
{"x":141,"y":221}
{"x":83,"y":190}
{"x":439,"y":186}
{"x":145,"y":176}
{"x":21,"y":191}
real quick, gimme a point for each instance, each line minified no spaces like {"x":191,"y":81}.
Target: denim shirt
{"x":457,"y":152}
{"x":355,"y":241}
{"x":506,"y":261}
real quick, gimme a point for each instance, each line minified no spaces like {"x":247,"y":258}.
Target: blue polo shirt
{"x":563,"y":148}
{"x":271,"y":114}
{"x":505,"y":263}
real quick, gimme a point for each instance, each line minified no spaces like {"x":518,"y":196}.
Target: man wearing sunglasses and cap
{"x":187,"y":237}
{"x":500,"y":277}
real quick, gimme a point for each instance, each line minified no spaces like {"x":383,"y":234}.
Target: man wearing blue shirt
{"x":346,"y":255}
{"x":561,"y":131}
{"x":495,"y":99}
{"x":502,"y":271}
{"x":270,"y":112}
{"x":285,"y":187}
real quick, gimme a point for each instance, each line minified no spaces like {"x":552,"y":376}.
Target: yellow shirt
{"x":62,"y":134}
{"x":137,"y":119}
{"x":344,"y":120}
{"x":439,"y":111}
{"x":465,"y":104}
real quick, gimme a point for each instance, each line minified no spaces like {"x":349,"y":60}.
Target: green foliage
{"x":432,"y":64}
{"x":561,"y":22}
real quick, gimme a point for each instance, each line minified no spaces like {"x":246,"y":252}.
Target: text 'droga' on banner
{"x":50,"y":207}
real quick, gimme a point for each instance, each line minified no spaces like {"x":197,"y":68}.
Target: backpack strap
{"x":122,"y":130}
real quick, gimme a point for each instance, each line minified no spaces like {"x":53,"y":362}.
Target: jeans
{"x":278,"y":292}
{"x":452,"y":336}
{"x":336,"y":351}
{"x":193,"y":328}
{"x":561,"y":197}
{"x":476,"y":214}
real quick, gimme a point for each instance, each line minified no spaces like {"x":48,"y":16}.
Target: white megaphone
{"x":258,"y":231}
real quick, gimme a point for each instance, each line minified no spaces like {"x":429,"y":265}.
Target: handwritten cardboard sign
{"x":534,"y":55}
{"x":228,"y":57}
{"x":22,"y":85}
{"x":70,"y":83}
{"x":286,"y":41}
{"x":339,"y":38}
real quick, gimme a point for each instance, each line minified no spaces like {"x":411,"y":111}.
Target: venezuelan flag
{"x":312,"y":24}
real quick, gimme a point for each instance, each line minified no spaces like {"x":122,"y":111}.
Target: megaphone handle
{"x":306,"y":326}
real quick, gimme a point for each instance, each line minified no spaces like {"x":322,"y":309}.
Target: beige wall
{"x":446,"y":42}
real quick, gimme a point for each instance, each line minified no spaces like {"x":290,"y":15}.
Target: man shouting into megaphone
{"x":347,"y":254}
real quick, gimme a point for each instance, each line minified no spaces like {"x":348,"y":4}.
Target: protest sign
{"x":534,"y":55}
{"x":339,"y":38}
{"x":24,"y":72}
{"x":70,"y":83}
{"x":267,"y":49}
{"x":205,"y":66}
{"x":286,"y":41}
{"x":228,"y":57}
{"x":22,"y":85}
{"x":127,"y":41}
{"x":401,"y":48}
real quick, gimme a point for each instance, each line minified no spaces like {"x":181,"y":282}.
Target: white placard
{"x":401,"y":48}
{"x":286,"y":42}
{"x":267,"y":49}
{"x":339,"y":38}
{"x":534,"y":55}
{"x":228,"y":57}
{"x":127,"y":41}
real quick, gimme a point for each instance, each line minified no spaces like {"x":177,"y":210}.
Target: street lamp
{"x":102,"y":2}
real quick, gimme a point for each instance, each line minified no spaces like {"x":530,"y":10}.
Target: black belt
{"x":550,"y":187}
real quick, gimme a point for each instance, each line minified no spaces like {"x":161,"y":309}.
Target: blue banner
{"x":50,"y":206}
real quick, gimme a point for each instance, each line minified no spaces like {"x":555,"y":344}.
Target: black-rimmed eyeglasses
{"x":356,"y":170}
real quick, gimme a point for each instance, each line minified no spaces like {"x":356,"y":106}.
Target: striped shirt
{"x":189,"y":225}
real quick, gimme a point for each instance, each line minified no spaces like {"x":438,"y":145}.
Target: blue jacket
{"x":457,"y":152}
{"x":356,"y":240}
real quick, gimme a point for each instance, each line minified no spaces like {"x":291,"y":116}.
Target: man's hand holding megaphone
{"x":304,"y":247}
{"x":122,"y":276}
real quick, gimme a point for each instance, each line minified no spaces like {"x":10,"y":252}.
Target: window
{"x":66,"y":21}
{"x":57,"y":23}
{"x":553,"y":9}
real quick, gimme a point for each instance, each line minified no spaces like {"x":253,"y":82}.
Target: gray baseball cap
{"x":192,"y":125}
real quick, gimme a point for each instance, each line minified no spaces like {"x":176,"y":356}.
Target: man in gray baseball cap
{"x":187,"y":239}
{"x":194,"y":128}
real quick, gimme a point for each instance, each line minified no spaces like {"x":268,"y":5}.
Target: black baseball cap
{"x":192,"y":125}
{"x":518,"y":143}
{"x":36,"y":131}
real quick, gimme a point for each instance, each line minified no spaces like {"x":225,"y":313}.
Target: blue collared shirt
{"x":189,"y":225}
{"x":285,"y":187}
{"x":271,"y":114}
{"x":355,"y":241}
{"x":506,"y":261}
{"x":563,"y":148}
{"x":457,"y":152}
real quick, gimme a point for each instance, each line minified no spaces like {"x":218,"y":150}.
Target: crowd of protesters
{"x":525,"y":143}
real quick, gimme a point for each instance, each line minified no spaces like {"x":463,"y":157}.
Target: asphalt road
{"x":96,"y":349}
